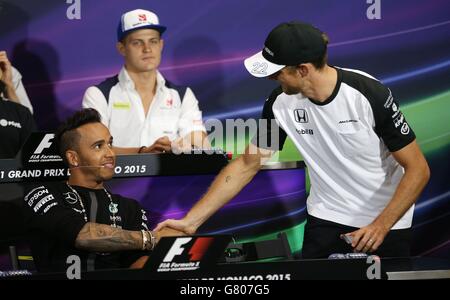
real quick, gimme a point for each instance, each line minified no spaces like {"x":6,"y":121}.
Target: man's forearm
{"x":124,"y":151}
{"x":230,"y":181}
{"x":104,"y":238}
{"x":406,"y":194}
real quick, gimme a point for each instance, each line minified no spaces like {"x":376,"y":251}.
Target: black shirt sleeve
{"x":46,"y":215}
{"x":269,"y":134}
{"x":390,"y":123}
{"x":29,"y":126}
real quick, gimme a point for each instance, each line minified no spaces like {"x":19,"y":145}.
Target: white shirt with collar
{"x":174,"y":111}
{"x":20,"y":89}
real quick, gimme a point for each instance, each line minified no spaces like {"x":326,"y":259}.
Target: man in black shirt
{"x":16,"y":124}
{"x":80,"y":217}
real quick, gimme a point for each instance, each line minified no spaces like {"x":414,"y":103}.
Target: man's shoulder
{"x":106,"y":85}
{"x":362,"y":82}
{"x":274,"y":95}
{"x":51,"y":187}
{"x":180,"y":89}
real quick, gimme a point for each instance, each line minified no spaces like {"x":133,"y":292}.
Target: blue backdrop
{"x":408,"y":48}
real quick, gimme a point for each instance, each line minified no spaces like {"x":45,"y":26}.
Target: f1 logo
{"x":45,"y":143}
{"x":176,"y":248}
{"x":301,"y":116}
{"x":197,"y":251}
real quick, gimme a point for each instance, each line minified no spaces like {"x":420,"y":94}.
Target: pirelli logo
{"x":301,"y":116}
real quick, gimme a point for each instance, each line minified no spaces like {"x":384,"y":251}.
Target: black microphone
{"x":79,"y":167}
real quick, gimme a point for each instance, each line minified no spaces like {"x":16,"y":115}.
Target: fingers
{"x":366,"y":241}
{"x":4,"y":59}
{"x":162,"y":225}
{"x":5,"y":66}
{"x":161,"y":145}
{"x":170,"y":232}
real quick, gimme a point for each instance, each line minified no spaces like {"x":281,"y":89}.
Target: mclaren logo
{"x":301,"y":116}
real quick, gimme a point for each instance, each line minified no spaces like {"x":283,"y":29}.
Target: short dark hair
{"x":321,"y":61}
{"x":67,"y":136}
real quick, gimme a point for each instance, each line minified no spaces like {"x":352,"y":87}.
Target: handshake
{"x":175,"y":227}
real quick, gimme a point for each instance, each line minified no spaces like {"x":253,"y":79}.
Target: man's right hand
{"x":161,"y":145}
{"x":180,"y":225}
{"x":167,"y":232}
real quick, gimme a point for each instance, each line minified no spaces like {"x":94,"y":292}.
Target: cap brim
{"x":258,"y":66}
{"x":158,"y":28}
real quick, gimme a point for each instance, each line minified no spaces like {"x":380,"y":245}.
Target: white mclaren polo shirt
{"x":346,"y":142}
{"x":174,"y":111}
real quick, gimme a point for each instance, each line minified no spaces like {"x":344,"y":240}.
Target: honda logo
{"x":301,"y":116}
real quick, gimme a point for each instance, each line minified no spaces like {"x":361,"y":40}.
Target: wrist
{"x":384,"y":224}
{"x":142,"y":149}
{"x":148,"y":240}
{"x":191,"y":224}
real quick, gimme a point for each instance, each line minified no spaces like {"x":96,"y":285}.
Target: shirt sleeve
{"x":191,"y":116}
{"x":20,"y":89}
{"x":269,"y":134}
{"x":94,"y":98}
{"x":29,"y":126}
{"x":390,"y":123}
{"x":47,"y":216}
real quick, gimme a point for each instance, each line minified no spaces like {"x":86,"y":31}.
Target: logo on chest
{"x":70,"y":198}
{"x":301,"y":116}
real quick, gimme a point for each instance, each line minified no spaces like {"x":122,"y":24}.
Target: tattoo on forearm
{"x":104,"y":238}
{"x":228,"y":179}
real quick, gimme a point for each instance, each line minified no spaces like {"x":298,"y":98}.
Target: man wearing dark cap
{"x":365,"y":166}
{"x":144,"y":111}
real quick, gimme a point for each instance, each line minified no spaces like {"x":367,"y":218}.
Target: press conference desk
{"x":355,"y":269}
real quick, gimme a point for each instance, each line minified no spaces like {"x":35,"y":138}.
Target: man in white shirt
{"x":365,"y":166}
{"x":144,"y":111}
{"x":14,"y":89}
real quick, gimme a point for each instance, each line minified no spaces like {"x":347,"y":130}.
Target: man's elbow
{"x":426,"y":173}
{"x":422,"y":172}
{"x":252,"y":163}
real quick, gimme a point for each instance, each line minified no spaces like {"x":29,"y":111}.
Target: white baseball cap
{"x":138,"y":19}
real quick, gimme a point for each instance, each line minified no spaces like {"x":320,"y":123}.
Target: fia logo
{"x":45,"y":143}
{"x":301,"y":116}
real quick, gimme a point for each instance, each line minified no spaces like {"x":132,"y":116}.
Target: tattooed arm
{"x":104,"y":238}
{"x":230,"y":181}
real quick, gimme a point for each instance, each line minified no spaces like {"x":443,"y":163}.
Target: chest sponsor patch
{"x":122,"y":105}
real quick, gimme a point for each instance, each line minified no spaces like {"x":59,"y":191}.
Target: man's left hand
{"x":369,"y":238}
